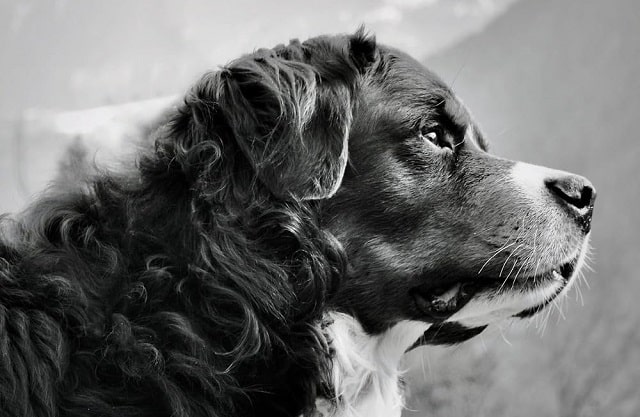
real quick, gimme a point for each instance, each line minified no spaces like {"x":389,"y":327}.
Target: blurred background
{"x":555,"y":83}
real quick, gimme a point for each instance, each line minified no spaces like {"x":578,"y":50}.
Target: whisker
{"x":579,"y":296}
{"x":509,"y":257}
{"x":505,"y":246}
{"x":503,"y":336}
{"x":561,"y":313}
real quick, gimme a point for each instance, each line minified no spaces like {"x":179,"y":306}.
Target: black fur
{"x":448,"y":334}
{"x":193,"y":284}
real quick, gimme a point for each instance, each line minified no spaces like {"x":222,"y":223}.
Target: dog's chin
{"x":444,"y":301}
{"x":462,"y":309}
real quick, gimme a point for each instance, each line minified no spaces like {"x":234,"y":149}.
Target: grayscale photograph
{"x":381,"y":208}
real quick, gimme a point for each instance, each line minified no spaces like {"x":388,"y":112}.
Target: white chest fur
{"x":366,"y":368}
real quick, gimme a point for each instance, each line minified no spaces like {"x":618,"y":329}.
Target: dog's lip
{"x":438,"y":302}
{"x":562,"y":274}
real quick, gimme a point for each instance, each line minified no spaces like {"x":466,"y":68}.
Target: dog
{"x":306,"y":216}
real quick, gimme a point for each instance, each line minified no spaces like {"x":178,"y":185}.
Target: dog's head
{"x":435,"y":228}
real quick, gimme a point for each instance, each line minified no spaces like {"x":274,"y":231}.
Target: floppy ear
{"x":290,"y":111}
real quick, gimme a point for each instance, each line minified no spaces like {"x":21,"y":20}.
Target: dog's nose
{"x":577,"y":194}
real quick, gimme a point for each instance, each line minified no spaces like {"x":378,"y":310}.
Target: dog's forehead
{"x":409,"y":80}
{"x":422,"y":93}
{"x":400,"y":68}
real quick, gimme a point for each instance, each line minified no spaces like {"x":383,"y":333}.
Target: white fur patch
{"x":366,"y":368}
{"x":530,"y":179}
{"x":485,"y":309}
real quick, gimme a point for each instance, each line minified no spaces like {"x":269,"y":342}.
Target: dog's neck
{"x":365,"y":380}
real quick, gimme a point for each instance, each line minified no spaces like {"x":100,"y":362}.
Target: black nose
{"x":577,"y":194}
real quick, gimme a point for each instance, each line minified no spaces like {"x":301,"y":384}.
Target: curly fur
{"x":192,"y":285}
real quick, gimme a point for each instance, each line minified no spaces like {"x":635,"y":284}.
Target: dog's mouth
{"x":439,"y":301}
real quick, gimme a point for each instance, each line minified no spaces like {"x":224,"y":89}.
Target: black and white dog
{"x":305,"y":217}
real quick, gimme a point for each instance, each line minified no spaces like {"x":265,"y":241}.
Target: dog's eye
{"x":435,"y":135}
{"x":432,"y":136}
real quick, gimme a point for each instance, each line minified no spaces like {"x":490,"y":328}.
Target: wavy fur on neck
{"x":192,"y":285}
{"x":366,"y":369}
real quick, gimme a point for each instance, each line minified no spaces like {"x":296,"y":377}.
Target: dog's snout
{"x":577,"y":194}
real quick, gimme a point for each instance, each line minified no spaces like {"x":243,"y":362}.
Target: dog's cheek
{"x":395,"y":219}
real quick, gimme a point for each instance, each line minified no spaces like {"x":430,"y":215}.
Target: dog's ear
{"x":363,"y":49}
{"x":290,"y":111}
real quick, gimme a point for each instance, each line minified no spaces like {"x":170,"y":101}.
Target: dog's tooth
{"x":450,"y":294}
{"x":440,"y":305}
